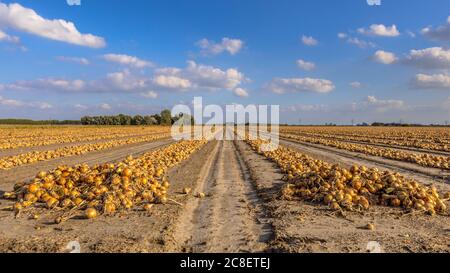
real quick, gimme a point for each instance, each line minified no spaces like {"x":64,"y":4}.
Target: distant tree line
{"x":38,"y":122}
{"x":165,"y":118}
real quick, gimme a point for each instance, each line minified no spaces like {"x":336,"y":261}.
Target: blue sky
{"x":321,"y":61}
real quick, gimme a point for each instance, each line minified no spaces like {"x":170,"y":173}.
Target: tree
{"x":138,"y":120}
{"x":150,"y":120}
{"x":166,"y":117}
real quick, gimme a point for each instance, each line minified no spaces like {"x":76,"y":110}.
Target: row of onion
{"x":355,"y":188}
{"x":105,"y":188}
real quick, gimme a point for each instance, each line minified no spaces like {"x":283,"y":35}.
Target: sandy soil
{"x":229,"y":218}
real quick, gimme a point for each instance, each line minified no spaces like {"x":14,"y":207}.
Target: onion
{"x":90,"y":213}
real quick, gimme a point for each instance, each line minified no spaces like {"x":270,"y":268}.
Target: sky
{"x":321,"y":61}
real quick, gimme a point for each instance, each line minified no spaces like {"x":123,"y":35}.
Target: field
{"x":135,"y":189}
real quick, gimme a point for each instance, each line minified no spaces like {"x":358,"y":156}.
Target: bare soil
{"x":230,"y":217}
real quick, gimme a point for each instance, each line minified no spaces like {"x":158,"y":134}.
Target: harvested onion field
{"x":135,"y":189}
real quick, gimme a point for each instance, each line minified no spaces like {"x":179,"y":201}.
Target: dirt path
{"x":422,"y":174}
{"x":19,"y":174}
{"x":230,"y":217}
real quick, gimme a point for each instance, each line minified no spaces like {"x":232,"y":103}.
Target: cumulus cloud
{"x":306,"y":65}
{"x":197,"y":76}
{"x":27,"y":20}
{"x":440,"y":33}
{"x":432,"y":58}
{"x":172,"y":82}
{"x":127,"y":60}
{"x":380,"y":30}
{"x":77,"y":60}
{"x":149,"y":94}
{"x":355,"y":85}
{"x":309,"y":41}
{"x":240,"y":92}
{"x":435,"y":81}
{"x":280,"y":85}
{"x":232,"y":46}
{"x":123,"y":81}
{"x":384,"y":57}
{"x":384,"y":105}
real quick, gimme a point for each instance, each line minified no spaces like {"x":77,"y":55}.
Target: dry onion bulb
{"x":105,"y":188}
{"x":355,"y":188}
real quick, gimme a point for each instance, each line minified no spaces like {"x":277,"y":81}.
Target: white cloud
{"x":281,"y":86}
{"x":309,"y":41}
{"x":232,"y":46}
{"x":433,"y":58}
{"x":27,"y":20}
{"x":355,"y":41}
{"x":127,"y":60}
{"x":41,"y":105}
{"x":355,"y":85}
{"x":197,"y":76}
{"x":240,"y":92}
{"x":435,"y":81}
{"x":47,"y":84}
{"x":10,"y":102}
{"x":306,"y":65}
{"x":9,"y":38}
{"x":74,"y":2}
{"x":307,"y":108}
{"x":384,"y":57}
{"x":379,"y":105}
{"x":77,"y":60}
{"x":411,"y":34}
{"x":149,"y":94}
{"x":342,"y":35}
{"x":105,"y":106}
{"x":441,"y":33}
{"x":360,"y":43}
{"x":380,"y":30}
{"x":80,"y":106}
{"x":124,"y":81}
{"x":172,"y":82}
{"x":18,"y":103}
